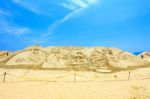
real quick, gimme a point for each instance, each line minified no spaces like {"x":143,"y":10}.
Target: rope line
{"x":76,"y":75}
{"x":28,"y":71}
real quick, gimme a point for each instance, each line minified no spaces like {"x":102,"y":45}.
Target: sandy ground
{"x":29,"y":84}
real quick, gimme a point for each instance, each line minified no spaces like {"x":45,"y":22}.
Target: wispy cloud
{"x":80,"y":3}
{"x":76,"y":6}
{"x":33,"y":6}
{"x":71,"y":15}
{"x":68,"y":6}
{"x":80,"y":6}
{"x":9,"y":27}
{"x":4,"y":13}
{"x":13,"y":29}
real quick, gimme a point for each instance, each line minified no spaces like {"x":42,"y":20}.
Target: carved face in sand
{"x":35,"y":51}
{"x":107,"y":51}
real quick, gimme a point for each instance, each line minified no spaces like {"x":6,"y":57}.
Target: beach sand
{"x":35,"y":84}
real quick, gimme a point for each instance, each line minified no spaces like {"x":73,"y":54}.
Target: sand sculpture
{"x":79,"y":58}
{"x":145,"y":56}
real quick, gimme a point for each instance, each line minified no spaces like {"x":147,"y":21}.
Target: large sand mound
{"x":82,"y":58}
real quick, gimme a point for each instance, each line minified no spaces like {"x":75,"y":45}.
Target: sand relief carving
{"x":20,"y":60}
{"x":75,"y":57}
{"x":66,"y":57}
{"x":54,"y":56}
{"x":78,"y":59}
{"x":37,"y":55}
{"x":125,"y":57}
{"x":98,"y":58}
{"x":54,"y":59}
{"x":56,"y":52}
{"x":107,"y":51}
{"x":115,"y":57}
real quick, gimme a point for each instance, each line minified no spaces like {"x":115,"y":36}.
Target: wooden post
{"x":4,"y":77}
{"x":129,"y":75}
{"x":75,"y":75}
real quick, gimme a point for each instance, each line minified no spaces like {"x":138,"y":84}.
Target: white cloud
{"x":4,"y":13}
{"x":44,"y":35}
{"x":80,"y":3}
{"x":10,"y":28}
{"x":76,"y":6}
{"x":92,"y":1}
{"x":14,"y":30}
{"x":33,"y":6}
{"x":70,"y":15}
{"x":69,"y":6}
{"x":28,"y":6}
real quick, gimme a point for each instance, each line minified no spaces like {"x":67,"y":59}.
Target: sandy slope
{"x":91,"y":86}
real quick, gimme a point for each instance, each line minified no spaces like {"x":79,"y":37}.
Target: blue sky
{"x":123,"y":24}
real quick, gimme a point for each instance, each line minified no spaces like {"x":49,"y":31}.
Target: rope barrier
{"x":76,"y":75}
{"x":28,"y":71}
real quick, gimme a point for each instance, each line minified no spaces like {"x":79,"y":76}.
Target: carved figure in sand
{"x":98,"y":58}
{"x":79,"y":58}
{"x":107,"y":51}
{"x":37,"y":55}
